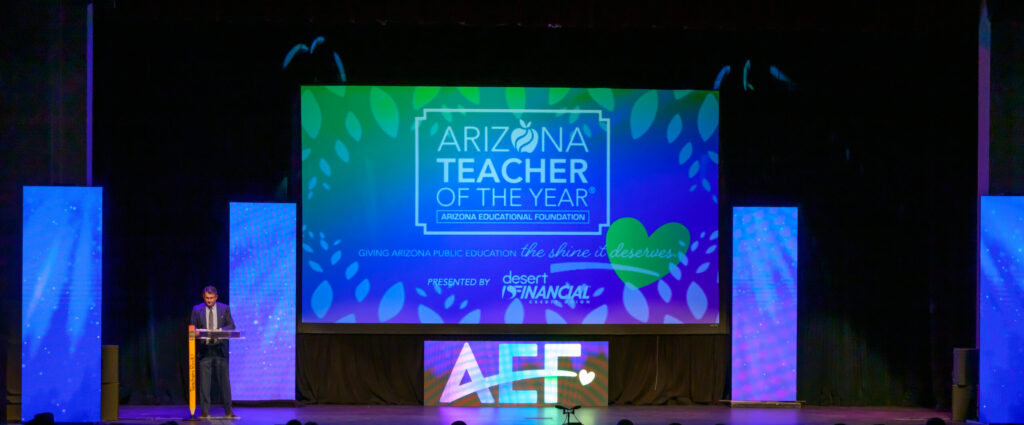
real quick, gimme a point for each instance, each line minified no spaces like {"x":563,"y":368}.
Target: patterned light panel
{"x":515,"y":373}
{"x":764,"y":303}
{"x":1001,"y":299}
{"x":262,"y":294}
{"x":62,"y":263}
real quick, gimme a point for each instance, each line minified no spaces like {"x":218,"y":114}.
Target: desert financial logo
{"x":512,"y":172}
{"x":538,"y":361}
{"x":535,"y":289}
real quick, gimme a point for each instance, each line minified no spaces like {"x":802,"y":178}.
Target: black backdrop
{"x":875,"y":141}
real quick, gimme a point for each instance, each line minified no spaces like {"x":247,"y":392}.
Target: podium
{"x":202,"y":335}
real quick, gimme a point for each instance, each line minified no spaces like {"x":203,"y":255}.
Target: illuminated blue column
{"x":1001,"y":321}
{"x":62,"y":263}
{"x":764,"y":303}
{"x":262,"y":294}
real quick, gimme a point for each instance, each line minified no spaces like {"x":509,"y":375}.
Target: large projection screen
{"x":509,"y":209}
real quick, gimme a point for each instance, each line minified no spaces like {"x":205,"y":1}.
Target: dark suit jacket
{"x":224,"y":320}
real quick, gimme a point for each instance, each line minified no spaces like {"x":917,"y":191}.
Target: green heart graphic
{"x":641,"y":260}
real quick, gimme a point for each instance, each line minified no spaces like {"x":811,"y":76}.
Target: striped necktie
{"x":209,"y":321}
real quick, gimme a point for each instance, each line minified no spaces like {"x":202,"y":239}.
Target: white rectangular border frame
{"x":608,"y":169}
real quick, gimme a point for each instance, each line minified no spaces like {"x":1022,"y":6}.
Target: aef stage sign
{"x":521,"y":373}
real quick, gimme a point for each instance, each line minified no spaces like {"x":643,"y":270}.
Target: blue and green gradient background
{"x":358,"y":193}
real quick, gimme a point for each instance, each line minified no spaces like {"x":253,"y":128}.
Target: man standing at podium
{"x":213,"y":354}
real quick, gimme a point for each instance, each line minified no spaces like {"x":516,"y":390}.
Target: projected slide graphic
{"x":509,"y":205}
{"x":62,"y":265}
{"x":508,"y":373}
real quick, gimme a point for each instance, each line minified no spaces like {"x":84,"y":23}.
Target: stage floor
{"x":640,"y":415}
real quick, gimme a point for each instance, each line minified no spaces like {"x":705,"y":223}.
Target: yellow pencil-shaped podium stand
{"x":191,"y":371}
{"x":201,"y":334}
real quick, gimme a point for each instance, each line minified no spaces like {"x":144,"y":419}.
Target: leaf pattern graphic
{"x":362,"y":290}
{"x":703,"y":268}
{"x":321,"y":300}
{"x":685,"y":153}
{"x":391,"y":303}
{"x":337,"y":90}
{"x":553,"y":318}
{"x":325,"y":167}
{"x":514,"y":312}
{"x":471,"y":94}
{"x":635,"y":303}
{"x":427,"y":315}
{"x":341,"y":150}
{"x":596,"y":317}
{"x":515,"y":97}
{"x":664,"y":291}
{"x":354,"y":128}
{"x":707,"y":117}
{"x":471,"y":318}
{"x":351,"y":270}
{"x":675,"y":126}
{"x":384,"y":111}
{"x":674,"y":270}
{"x":642,"y":116}
{"x":603,"y":97}
{"x":315,"y":266}
{"x":421,"y":96}
{"x":556,"y":94}
{"x":696,"y":300}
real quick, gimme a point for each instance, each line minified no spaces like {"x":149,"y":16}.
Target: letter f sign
{"x":551,"y":354}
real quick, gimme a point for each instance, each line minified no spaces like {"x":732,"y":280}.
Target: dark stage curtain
{"x":388,"y":369}
{"x":42,"y":142}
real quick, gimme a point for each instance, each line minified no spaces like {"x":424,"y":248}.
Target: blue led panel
{"x":262,"y":293}
{"x":1001,"y":298}
{"x":62,"y":263}
{"x":764,"y":273}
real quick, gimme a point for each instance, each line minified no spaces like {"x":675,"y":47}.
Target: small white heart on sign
{"x":586,"y":377}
